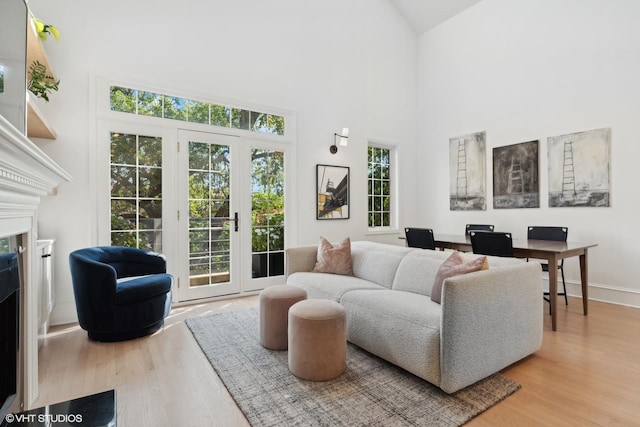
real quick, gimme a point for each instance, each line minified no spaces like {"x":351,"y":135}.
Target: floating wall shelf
{"x":37,"y":126}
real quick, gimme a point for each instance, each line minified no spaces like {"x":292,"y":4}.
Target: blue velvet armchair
{"x":121,"y":293}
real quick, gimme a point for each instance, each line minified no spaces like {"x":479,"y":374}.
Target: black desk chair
{"x":420,"y":238}
{"x":491,"y":243}
{"x":558,"y":234}
{"x":477,"y":227}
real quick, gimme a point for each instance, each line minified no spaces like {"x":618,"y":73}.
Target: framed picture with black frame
{"x":332,"y":192}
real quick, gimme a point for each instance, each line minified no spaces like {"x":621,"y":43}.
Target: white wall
{"x":527,"y":70}
{"x":335,"y":64}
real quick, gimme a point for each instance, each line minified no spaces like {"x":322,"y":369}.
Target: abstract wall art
{"x":515,"y":176}
{"x":467,"y":172}
{"x":579,"y":169}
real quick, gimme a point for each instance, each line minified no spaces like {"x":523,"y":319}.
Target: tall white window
{"x":379,"y":187}
{"x":136,"y":191}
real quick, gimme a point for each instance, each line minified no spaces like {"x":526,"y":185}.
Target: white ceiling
{"x":423,"y":15}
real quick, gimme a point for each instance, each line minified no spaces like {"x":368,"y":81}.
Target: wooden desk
{"x":539,"y":249}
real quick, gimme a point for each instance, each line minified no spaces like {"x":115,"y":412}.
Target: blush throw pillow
{"x":334,"y":259}
{"x":455,"y":266}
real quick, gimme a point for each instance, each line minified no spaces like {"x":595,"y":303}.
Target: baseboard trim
{"x":603,"y":293}
{"x":63,"y":314}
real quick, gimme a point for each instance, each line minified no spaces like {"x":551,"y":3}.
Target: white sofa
{"x":487,"y":320}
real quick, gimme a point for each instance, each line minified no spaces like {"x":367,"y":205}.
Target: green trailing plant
{"x":40,"y":83}
{"x":44,"y":30}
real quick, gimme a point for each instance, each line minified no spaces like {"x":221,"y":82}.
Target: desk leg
{"x":585,"y":282}
{"x":553,"y":289}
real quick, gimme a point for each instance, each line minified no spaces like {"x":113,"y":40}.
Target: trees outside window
{"x":379,"y":187}
{"x":136,"y":191}
{"x":267,"y":213}
{"x":152,"y":104}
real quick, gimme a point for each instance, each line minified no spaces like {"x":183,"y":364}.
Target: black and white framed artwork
{"x":332,"y":192}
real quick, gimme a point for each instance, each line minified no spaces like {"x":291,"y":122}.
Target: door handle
{"x":235,"y":221}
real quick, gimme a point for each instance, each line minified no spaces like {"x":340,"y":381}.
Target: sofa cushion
{"x":328,"y":286}
{"x":417,"y":270}
{"x":401,"y":327}
{"x":134,"y":289}
{"x":377,"y":262}
{"x":335,"y":259}
{"x":455,"y":265}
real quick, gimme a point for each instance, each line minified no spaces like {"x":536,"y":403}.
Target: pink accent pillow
{"x":455,"y":266}
{"x":334,"y":259}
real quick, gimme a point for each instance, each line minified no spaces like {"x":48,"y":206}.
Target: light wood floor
{"x":586,"y":374}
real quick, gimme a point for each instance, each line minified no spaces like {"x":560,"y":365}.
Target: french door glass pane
{"x":209,"y":201}
{"x":267,"y":213}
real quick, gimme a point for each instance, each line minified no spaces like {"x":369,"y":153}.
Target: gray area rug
{"x":371,"y":392}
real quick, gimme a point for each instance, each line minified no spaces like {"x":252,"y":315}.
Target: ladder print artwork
{"x":461,"y":178}
{"x":515,"y":176}
{"x":467,"y":172}
{"x":580,"y":168}
{"x":568,"y":173}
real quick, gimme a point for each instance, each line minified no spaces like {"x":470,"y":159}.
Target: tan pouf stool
{"x":317,"y":339}
{"x":274,"y":307}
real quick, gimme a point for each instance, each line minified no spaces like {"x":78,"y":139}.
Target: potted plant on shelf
{"x":41,"y":81}
{"x":43,"y":30}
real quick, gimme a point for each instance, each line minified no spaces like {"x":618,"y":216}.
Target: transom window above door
{"x":127,"y":100}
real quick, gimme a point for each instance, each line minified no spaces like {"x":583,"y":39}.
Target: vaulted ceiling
{"x":423,"y":15}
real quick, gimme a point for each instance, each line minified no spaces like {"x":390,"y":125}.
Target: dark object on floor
{"x":121,"y":293}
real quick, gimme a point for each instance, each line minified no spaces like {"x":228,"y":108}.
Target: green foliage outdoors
{"x":133,"y":101}
{"x":136,"y":191}
{"x":136,"y":210}
{"x":136,"y":177}
{"x":379,"y":191}
{"x":267,"y":200}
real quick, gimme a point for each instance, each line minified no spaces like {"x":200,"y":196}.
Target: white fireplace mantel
{"x":25,"y":168}
{"x":26,"y":175}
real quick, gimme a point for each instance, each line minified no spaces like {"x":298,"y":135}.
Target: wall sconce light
{"x":344,"y":140}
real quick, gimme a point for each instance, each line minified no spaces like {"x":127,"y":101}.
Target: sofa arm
{"x":490,"y":319}
{"x":301,"y":258}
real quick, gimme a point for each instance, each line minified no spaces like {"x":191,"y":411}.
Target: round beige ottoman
{"x":317,"y":339}
{"x":274,"y":307}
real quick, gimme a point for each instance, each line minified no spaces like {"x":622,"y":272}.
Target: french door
{"x":215,"y":206}
{"x":231,"y":217}
{"x":210,"y":229}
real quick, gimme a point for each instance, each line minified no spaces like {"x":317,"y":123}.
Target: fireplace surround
{"x":9,"y":323}
{"x":26,"y":175}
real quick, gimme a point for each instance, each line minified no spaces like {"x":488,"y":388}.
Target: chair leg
{"x":544,"y":294}
{"x":564,"y":291}
{"x":564,"y":287}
